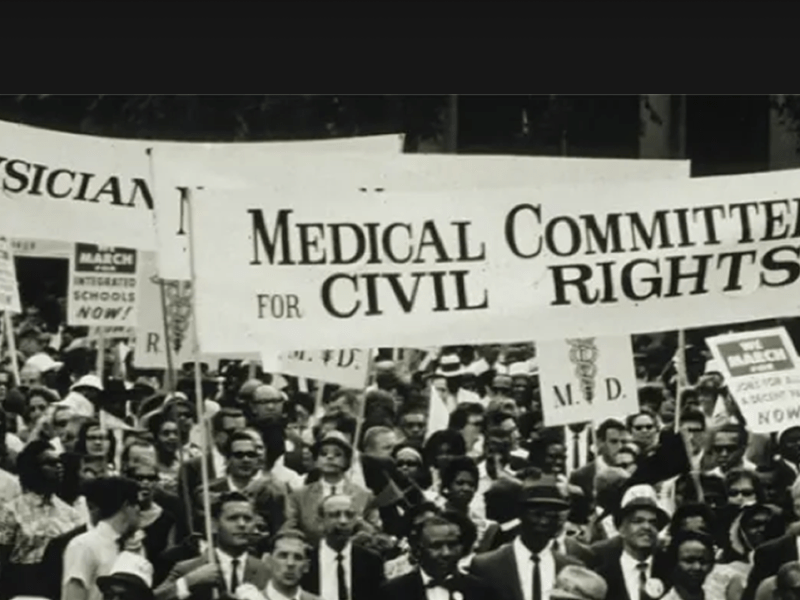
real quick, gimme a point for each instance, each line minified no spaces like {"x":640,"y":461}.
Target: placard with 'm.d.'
{"x":103,"y":286}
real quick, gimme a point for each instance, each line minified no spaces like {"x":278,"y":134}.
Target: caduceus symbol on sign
{"x":178,"y":297}
{"x":583,"y":353}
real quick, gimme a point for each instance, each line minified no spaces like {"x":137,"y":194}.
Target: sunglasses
{"x":408,"y":463}
{"x":146,"y":478}
{"x":243,"y":455}
{"x":643,"y":427}
{"x":743,"y":493}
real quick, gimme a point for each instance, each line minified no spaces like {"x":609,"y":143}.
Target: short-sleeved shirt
{"x":89,"y":556}
{"x":29,"y":522}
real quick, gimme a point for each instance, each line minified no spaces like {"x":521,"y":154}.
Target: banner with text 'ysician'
{"x":414,"y":270}
{"x":81,"y":188}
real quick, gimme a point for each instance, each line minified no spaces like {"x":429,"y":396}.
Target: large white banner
{"x":68,"y":187}
{"x":321,"y":175}
{"x":351,"y":270}
{"x":586,"y":379}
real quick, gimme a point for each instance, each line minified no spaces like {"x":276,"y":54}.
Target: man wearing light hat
{"x":528,"y":566}
{"x":451,"y":369}
{"x":83,"y":395}
{"x":131,"y":578}
{"x":629,"y":564}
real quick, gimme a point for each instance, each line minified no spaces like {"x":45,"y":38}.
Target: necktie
{"x":234,"y":575}
{"x":642,"y":568}
{"x":537,"y":578}
{"x":340,"y":576}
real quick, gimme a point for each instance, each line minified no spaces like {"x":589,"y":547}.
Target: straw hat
{"x":641,"y":497}
{"x":450,"y":366}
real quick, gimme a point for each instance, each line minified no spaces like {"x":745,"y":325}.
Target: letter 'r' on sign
{"x":279,"y":306}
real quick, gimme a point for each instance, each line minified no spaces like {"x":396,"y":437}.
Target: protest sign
{"x":9,"y":294}
{"x":349,"y":368}
{"x":319,"y":174}
{"x":762,"y":371}
{"x":80,"y":188}
{"x":149,"y":349}
{"x":586,"y":379}
{"x":350,"y":270}
{"x":102,"y":286}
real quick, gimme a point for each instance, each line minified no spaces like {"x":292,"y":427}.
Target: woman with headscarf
{"x":410,"y":463}
{"x":31,"y":520}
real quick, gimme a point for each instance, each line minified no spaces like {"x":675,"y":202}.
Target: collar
{"x":105,"y":529}
{"x":228,"y":559}
{"x":346,"y":551}
{"x":327,"y":487}
{"x":273,"y":594}
{"x":600,"y":463}
{"x":233,"y":485}
{"x":524,"y":551}
{"x":630,"y":563}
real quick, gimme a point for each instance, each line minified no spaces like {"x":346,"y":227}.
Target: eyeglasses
{"x":408,"y":463}
{"x":145,"y":478}
{"x":743,"y":493}
{"x":643,"y":427}
{"x":243,"y":455}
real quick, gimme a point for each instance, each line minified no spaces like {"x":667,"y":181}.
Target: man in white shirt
{"x":542,"y":503}
{"x":92,"y":554}
{"x":234,"y":523}
{"x":361,"y":573}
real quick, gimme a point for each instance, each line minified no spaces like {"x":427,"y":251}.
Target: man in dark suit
{"x":361,"y":573}
{"x":437,"y":543}
{"x":526,"y":568}
{"x":609,"y":438}
{"x":631,"y":559}
{"x":234,"y":521}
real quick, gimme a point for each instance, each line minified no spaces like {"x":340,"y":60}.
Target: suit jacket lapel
{"x":508,"y":570}
{"x":618,"y":578}
{"x":313,"y":583}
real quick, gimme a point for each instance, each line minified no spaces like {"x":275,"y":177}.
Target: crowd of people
{"x":345,"y":494}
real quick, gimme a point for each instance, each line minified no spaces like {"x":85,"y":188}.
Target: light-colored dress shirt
{"x":630,"y":572}
{"x":525,"y":565}
{"x":436,"y":592}
{"x":272,"y":594}
{"x":226,"y":566}
{"x":91,"y":555}
{"x":328,"y":580}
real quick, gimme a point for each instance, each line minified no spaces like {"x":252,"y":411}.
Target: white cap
{"x":712,"y":366}
{"x":91,"y":381}
{"x":42,"y":362}
{"x":130,"y":563}
{"x":518,"y":368}
{"x":479,"y":367}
